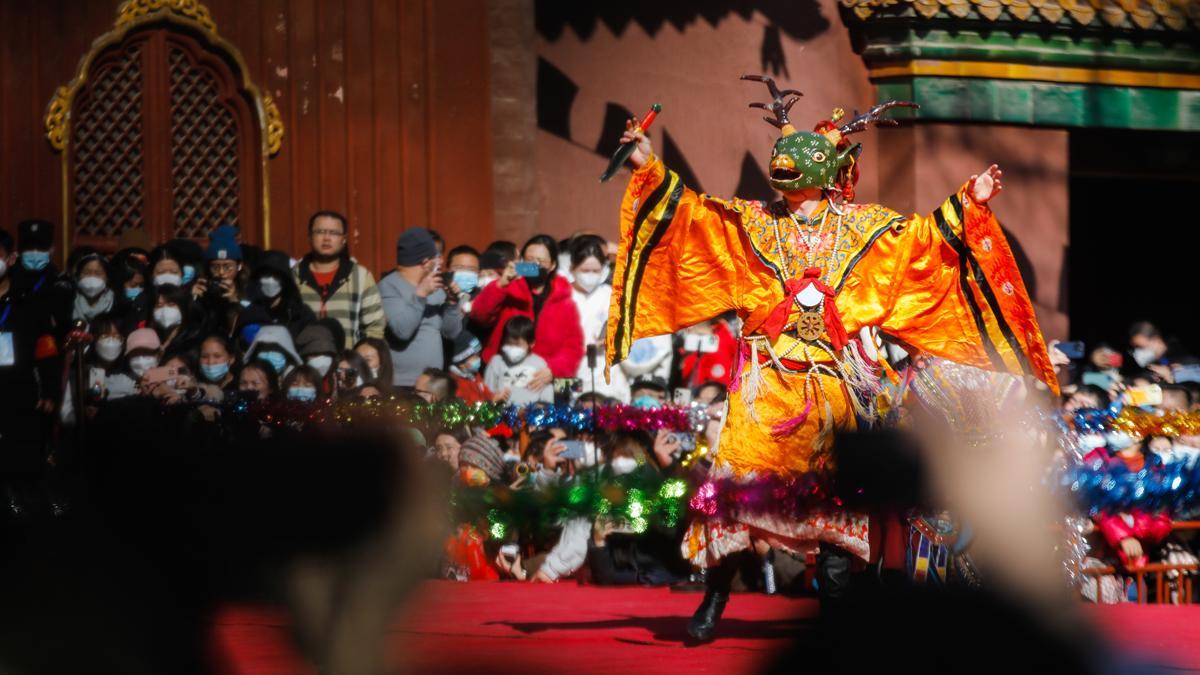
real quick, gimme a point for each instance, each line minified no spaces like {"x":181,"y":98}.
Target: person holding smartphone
{"x":532,"y":288}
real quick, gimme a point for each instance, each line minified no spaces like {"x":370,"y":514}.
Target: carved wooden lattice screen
{"x":163,"y":138}
{"x":107,"y":152}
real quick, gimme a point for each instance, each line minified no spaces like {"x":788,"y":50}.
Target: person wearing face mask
{"x":1149,"y":349}
{"x":142,"y":349}
{"x":516,"y":367}
{"x":302,"y":385}
{"x":30,"y":382}
{"x":274,"y":346}
{"x":102,"y":358}
{"x":35,"y":276}
{"x":592,"y":296}
{"x":615,"y":555}
{"x":219,"y":294}
{"x":217,"y":361}
{"x":466,"y":365}
{"x":273,"y":287}
{"x":463,"y":264}
{"x":318,"y":347}
{"x":545,"y":299}
{"x":419,"y":311}
{"x":179,"y":322}
{"x":129,"y":277}
{"x":166,"y":267}
{"x":93,"y":296}
{"x":349,"y":375}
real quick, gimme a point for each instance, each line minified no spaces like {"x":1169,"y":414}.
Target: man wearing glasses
{"x":335,"y":285}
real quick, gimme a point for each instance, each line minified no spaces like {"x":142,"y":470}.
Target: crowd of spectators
{"x":203,"y":326}
{"x":223,"y":322}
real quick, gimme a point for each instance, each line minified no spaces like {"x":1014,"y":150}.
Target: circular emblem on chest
{"x":809,"y":326}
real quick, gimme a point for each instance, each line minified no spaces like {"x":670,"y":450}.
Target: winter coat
{"x":558,"y":336}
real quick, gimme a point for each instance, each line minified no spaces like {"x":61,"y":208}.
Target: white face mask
{"x":271,"y":287}
{"x":168,"y":279}
{"x":588,"y":281}
{"x":168,"y":316}
{"x":514,"y":354}
{"x":623,"y":465}
{"x":1144,"y":356}
{"x":109,"y":348}
{"x":140,"y":364}
{"x":321,"y":364}
{"x":91,"y":286}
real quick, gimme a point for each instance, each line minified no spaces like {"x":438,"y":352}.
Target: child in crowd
{"x":465,"y":363}
{"x":515,"y":365}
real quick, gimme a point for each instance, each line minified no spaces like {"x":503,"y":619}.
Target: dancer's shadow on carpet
{"x":672,"y":628}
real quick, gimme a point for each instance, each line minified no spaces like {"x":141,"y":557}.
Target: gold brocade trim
{"x":133,"y":10}
{"x":1143,"y":14}
{"x":1021,"y":71}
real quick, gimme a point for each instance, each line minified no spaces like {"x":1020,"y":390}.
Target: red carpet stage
{"x":453,"y":627}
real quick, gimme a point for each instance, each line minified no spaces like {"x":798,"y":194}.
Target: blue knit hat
{"x":223,"y":247}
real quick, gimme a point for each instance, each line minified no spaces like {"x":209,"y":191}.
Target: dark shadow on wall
{"x":753,"y":183}
{"x":800,"y":19}
{"x":615,"y":117}
{"x":555,"y":94}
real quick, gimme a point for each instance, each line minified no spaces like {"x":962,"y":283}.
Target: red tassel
{"x":788,"y":426}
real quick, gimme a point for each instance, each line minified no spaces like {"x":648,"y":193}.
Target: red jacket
{"x":472,"y":390}
{"x":558,"y":337}
{"x":715,"y":366}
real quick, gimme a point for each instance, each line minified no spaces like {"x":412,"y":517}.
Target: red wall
{"x":385,"y":106}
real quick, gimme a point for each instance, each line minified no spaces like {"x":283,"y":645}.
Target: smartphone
{"x":565,"y":384}
{"x":1102,"y":380}
{"x":574,"y":450}
{"x":528,"y":269}
{"x":682,"y":396}
{"x":705,"y":344}
{"x":1188,"y":373}
{"x":95,"y":385}
{"x":447,"y":278}
{"x":509,"y":552}
{"x":1150,"y":394}
{"x":158,"y":375}
{"x":1072,"y":350}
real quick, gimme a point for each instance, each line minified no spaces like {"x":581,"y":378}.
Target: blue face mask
{"x":189,"y":273}
{"x":35,"y":261}
{"x":276,"y":359}
{"x":132,"y":294}
{"x":214,"y":372}
{"x":466,"y":280}
{"x":302,"y":394}
{"x":646,"y":402}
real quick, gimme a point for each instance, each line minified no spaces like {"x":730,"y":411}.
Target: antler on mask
{"x":874,"y":116}
{"x":778,"y":106}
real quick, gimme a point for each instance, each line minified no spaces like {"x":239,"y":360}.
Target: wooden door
{"x":164,"y":139}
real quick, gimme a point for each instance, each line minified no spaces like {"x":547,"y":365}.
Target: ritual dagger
{"x":626,"y":149}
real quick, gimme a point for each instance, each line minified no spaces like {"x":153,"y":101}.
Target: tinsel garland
{"x":636,"y":500}
{"x":1104,"y":488}
{"x":791,"y":497}
{"x":1129,"y":420}
{"x":294,"y":414}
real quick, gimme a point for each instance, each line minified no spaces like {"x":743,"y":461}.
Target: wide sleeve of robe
{"x":948,"y":284}
{"x":681,"y":260}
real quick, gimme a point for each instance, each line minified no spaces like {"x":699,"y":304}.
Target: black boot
{"x":833,"y":578}
{"x":717,"y":581}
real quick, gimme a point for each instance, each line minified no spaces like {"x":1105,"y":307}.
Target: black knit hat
{"x":414,"y":247}
{"x":35,"y":234}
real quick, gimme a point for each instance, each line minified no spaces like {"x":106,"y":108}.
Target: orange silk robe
{"x":946,"y":284}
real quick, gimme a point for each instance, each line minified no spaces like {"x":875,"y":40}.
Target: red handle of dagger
{"x":654,"y":110}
